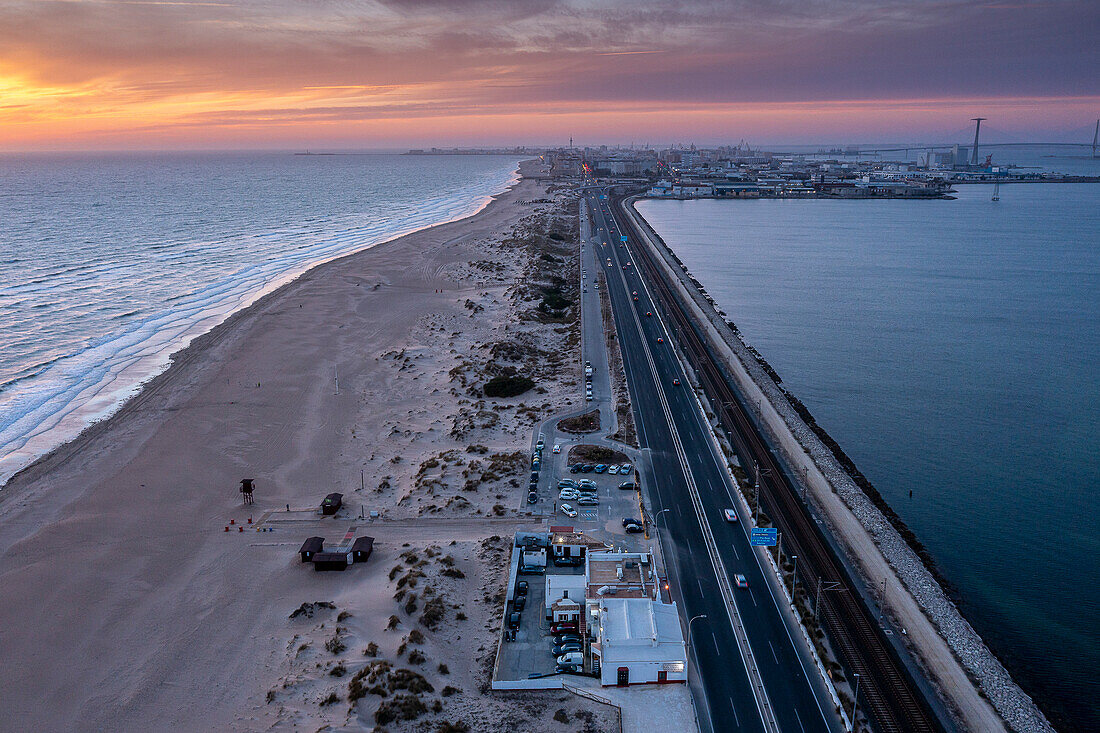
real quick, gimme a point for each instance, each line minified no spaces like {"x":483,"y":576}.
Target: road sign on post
{"x":622,"y":238}
{"x":764,"y":536}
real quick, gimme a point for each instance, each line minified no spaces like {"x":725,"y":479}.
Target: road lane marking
{"x":716,"y":647}
{"x":770,"y":646}
{"x":799,"y":719}
{"x":736,"y":720}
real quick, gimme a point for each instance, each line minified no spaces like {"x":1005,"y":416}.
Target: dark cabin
{"x":332,"y":560}
{"x":331,"y":504}
{"x":311,"y":547}
{"x":361,"y":549}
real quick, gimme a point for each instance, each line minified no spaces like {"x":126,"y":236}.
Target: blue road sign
{"x":764,"y":537}
{"x":622,"y":238}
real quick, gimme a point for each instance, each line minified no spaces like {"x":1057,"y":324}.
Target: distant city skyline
{"x":392,"y":74}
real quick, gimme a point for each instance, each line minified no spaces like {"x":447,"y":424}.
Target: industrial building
{"x":638,"y":641}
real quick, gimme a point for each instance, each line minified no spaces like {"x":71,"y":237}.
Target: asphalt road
{"x":791,"y":682}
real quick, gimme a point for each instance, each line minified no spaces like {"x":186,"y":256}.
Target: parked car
{"x":731,"y":516}
{"x":600,"y":467}
{"x":562,"y":638}
{"x":513,"y":620}
{"x":634,"y":528}
{"x":567,"y":668}
{"x":571,"y":561}
{"x":532,"y":497}
{"x":521,"y":588}
{"x":630,"y":520}
{"x":569,"y":646}
{"x":626,"y":468}
{"x":568,"y":495}
{"x":575,"y":468}
{"x":586,"y":483}
{"x":534,"y":476}
{"x":587,"y":468}
{"x":613,"y":469}
{"x":588,"y":397}
{"x":741,"y":581}
{"x":571,"y":658}
{"x":519,"y":602}
{"x":569,"y":511}
{"x":568,"y":483}
{"x":628,"y":486}
{"x":536,"y":464}
{"x":563,"y":626}
{"x":588,"y":501}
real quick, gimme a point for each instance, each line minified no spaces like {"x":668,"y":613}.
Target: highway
{"x":768,"y":681}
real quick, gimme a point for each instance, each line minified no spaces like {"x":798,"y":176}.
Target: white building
{"x":561,"y":587}
{"x":638,"y":641}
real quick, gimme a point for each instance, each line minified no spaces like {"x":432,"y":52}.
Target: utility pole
{"x":1095,"y":138}
{"x":794,"y":580}
{"x":756,"y":494}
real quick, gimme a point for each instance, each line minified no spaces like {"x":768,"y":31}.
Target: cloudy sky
{"x":78,"y":74}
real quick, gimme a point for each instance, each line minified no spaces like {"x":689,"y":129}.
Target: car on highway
{"x":649,"y":313}
{"x":634,"y":292}
{"x":588,"y":501}
{"x":675,"y":382}
{"x":557,"y":448}
{"x":741,"y":581}
{"x":730,"y":515}
{"x":625,"y":468}
{"x":568,"y":510}
{"x":635,"y":297}
{"x":660,"y":340}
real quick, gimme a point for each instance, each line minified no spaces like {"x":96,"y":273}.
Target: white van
{"x":576,"y":658}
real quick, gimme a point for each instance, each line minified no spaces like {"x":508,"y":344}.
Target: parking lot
{"x":530,"y":653}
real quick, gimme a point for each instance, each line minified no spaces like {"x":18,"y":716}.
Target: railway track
{"x":887,"y":695}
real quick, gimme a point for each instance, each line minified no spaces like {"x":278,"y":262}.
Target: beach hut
{"x":332,"y":560}
{"x":311,"y":547}
{"x":361,"y":549}
{"x":331,"y":504}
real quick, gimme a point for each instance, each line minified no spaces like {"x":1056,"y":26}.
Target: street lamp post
{"x":855,"y":704}
{"x":693,"y":618}
{"x":658,"y":516}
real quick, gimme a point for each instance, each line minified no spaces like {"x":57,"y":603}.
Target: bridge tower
{"x":977,"y":129}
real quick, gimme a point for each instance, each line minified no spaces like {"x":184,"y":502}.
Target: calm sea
{"x":108,"y":264}
{"x":953,"y":349}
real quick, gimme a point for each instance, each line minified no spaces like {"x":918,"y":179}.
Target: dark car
{"x":521,"y":588}
{"x":628,"y":486}
{"x":533,"y":497}
{"x":587,"y":468}
{"x":569,"y":646}
{"x":563,"y":627}
{"x":513,"y":620}
{"x":575,"y":468}
{"x":519,"y":602}
{"x":567,"y":562}
{"x":566,"y":668}
{"x":534,"y":476}
{"x":563,"y":638}
{"x":600,"y":467}
{"x":634,"y":528}
{"x":627,"y":521}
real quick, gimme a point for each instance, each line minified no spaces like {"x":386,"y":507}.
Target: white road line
{"x":716,"y":647}
{"x":699,"y":582}
{"x":736,"y":720}
{"x":770,"y":646}
{"x":799,"y":719}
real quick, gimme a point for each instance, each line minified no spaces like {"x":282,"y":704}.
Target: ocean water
{"x":953,"y":350}
{"x":109,"y":263}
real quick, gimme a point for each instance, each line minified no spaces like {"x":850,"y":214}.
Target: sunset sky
{"x":142,"y":74}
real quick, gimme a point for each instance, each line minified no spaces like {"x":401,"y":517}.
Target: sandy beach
{"x":128,"y":606}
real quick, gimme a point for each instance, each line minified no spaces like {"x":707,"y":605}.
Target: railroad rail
{"x":887,"y":695}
